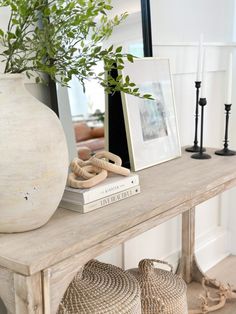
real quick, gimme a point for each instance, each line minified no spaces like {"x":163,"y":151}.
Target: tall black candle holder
{"x":201,"y":154}
{"x":226,"y":151}
{"x":195,"y":148}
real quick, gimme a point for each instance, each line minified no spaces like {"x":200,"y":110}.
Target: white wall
{"x":184,"y":20}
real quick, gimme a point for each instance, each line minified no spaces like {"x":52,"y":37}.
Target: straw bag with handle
{"x":161,"y":290}
{"x":101,"y":289}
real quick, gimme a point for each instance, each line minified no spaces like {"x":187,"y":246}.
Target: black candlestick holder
{"x":226,"y":151}
{"x":201,"y":154}
{"x":195,"y":148}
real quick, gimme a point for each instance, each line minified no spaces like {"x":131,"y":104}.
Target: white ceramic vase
{"x":33,"y":158}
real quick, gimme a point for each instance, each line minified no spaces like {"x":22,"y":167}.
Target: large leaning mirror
{"x":82,"y":113}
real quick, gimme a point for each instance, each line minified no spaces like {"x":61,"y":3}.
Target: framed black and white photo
{"x":151,"y":125}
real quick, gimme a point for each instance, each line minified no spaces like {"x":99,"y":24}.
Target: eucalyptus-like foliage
{"x":63,"y":38}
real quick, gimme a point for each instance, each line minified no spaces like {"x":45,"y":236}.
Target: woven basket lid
{"x":102,"y":288}
{"x":161,"y":290}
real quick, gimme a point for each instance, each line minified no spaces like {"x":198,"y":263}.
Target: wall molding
{"x":222,"y":71}
{"x":195,"y":44}
{"x":184,"y":56}
{"x":211,"y":248}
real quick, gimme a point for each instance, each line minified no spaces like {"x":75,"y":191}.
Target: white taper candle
{"x":200,"y":59}
{"x":229,"y":81}
{"x":203,"y":85}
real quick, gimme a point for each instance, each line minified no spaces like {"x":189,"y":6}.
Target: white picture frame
{"x":151,"y":125}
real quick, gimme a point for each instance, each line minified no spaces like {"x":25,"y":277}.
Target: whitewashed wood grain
{"x":21,"y":294}
{"x":166,"y":190}
{"x":7,"y":288}
{"x":56,"y":280}
{"x":28,"y":294}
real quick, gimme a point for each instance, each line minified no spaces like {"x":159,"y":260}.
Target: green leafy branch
{"x":64,"y":38}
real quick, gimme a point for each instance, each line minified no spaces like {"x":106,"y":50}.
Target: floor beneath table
{"x":225,"y":271}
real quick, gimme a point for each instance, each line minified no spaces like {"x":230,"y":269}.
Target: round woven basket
{"x":102,"y":288}
{"x":161,"y":290}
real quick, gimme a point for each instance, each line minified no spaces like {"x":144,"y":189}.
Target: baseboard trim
{"x":211,"y":248}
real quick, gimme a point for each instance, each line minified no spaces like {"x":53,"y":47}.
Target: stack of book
{"x":115,"y":188}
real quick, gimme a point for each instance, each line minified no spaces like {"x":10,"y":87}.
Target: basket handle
{"x":147,"y":265}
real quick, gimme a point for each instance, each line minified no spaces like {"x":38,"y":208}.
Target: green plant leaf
{"x":130,"y":58}
{"x":64,"y":38}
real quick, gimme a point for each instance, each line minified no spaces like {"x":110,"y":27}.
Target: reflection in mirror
{"x":82,"y":113}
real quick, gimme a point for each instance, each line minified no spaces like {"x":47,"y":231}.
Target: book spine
{"x":106,"y":190}
{"x":84,"y":208}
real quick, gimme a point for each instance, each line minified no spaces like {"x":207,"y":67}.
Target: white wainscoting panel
{"x":156,"y":243}
{"x":114,"y":256}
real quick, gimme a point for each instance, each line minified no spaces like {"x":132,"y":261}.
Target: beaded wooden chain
{"x":98,"y":161}
{"x":79,"y":169}
{"x":225,"y":292}
{"x":94,"y":170}
{"x":98,"y":176}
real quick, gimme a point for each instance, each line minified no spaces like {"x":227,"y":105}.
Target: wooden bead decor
{"x":86,"y":174}
{"x":78,"y":168}
{"x":98,"y":161}
{"x":213,"y":303}
{"x":110,"y":156}
{"x":99,"y":175}
{"x":101,"y":163}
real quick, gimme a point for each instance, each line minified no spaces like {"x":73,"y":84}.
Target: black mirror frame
{"x":147,"y":28}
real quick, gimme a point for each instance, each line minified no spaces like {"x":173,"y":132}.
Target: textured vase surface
{"x":33,"y":158}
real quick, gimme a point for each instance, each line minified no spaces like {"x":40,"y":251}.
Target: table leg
{"x":28,"y":294}
{"x":188,"y":266}
{"x":21,"y":294}
{"x":56,"y":280}
{"x":189,"y":269}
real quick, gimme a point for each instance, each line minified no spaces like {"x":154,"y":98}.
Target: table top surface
{"x":163,"y":187}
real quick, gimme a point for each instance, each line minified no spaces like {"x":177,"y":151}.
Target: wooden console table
{"x":37,"y":266}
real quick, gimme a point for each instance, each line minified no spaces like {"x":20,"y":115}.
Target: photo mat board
{"x":151,"y":125}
